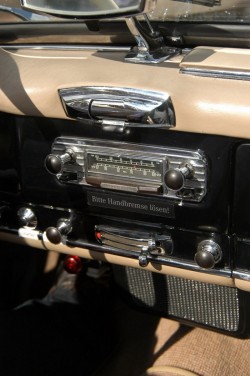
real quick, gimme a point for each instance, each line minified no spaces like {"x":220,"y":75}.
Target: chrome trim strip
{"x":64,"y":47}
{"x":188,"y":265}
{"x":245,"y":276}
{"x":211,"y":276}
{"x":214,"y":73}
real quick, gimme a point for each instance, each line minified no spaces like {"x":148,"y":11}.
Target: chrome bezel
{"x":168,"y":157}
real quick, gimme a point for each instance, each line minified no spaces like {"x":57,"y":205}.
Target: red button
{"x":98,"y":235}
{"x":72,"y":264}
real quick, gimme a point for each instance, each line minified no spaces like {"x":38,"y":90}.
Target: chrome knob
{"x":54,"y":163}
{"x":175,"y":178}
{"x":55,"y":234}
{"x":208,"y":254}
{"x":27,"y":218}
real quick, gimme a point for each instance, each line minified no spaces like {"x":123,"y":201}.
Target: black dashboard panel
{"x":204,"y":236}
{"x":241,"y":219}
{"x":40,"y":187}
{"x":188,"y":223}
{"x":9,"y":159}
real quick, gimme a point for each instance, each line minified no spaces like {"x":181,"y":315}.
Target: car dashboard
{"x":143,"y":167}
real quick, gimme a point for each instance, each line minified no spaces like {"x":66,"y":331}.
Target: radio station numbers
{"x":123,"y":166}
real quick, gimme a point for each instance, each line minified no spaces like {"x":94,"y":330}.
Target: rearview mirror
{"x":90,"y":8}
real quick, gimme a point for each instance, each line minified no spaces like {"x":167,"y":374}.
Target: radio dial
{"x":54,"y":163}
{"x":175,"y":178}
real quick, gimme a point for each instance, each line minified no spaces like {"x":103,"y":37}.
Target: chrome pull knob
{"x":27,"y":218}
{"x":54,"y":163}
{"x":55,"y":234}
{"x":208,"y":254}
{"x":175,"y":178}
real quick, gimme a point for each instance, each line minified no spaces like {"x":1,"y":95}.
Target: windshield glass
{"x":237,"y":11}
{"x":224,"y":11}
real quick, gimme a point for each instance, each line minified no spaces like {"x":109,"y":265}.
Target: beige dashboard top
{"x":203,"y":103}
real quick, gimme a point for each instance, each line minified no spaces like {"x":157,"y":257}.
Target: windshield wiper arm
{"x":205,"y":3}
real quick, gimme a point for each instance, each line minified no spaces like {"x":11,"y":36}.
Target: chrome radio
{"x":128,"y":167}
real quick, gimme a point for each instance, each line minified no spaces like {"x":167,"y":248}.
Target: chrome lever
{"x":143,"y":257}
{"x":146,"y":244}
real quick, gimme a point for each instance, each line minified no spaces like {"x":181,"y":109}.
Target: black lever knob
{"x":55,"y":234}
{"x":208,"y":254}
{"x":175,"y":178}
{"x":54,"y":163}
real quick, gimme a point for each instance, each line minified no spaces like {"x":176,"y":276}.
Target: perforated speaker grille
{"x":203,"y":303}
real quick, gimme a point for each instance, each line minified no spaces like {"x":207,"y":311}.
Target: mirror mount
{"x":151,"y":47}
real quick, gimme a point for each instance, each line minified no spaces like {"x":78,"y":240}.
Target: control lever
{"x":143,"y":257}
{"x":175,"y":178}
{"x":145,"y":243}
{"x":208,"y":254}
{"x":54,"y":163}
{"x":55,"y":234}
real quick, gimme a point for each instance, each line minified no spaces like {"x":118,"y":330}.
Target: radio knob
{"x":55,"y":234}
{"x":27,"y":218}
{"x":175,"y":178}
{"x":54,"y":163}
{"x":208,"y":254}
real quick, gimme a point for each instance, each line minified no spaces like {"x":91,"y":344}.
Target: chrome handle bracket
{"x":119,"y":108}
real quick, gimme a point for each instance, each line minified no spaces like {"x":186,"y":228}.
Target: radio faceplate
{"x":128,"y":167}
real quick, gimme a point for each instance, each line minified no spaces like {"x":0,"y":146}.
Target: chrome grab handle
{"x":109,"y":105}
{"x":108,"y":109}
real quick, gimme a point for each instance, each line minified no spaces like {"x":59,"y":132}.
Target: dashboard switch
{"x":27,"y":218}
{"x":54,"y":163}
{"x":175,"y":178}
{"x":208,"y":254}
{"x":72,"y":264}
{"x":55,"y":234}
{"x":146,"y":245}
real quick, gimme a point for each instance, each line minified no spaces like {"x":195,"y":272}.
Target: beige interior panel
{"x":168,"y":371}
{"x":242,"y":284}
{"x":30,"y":80}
